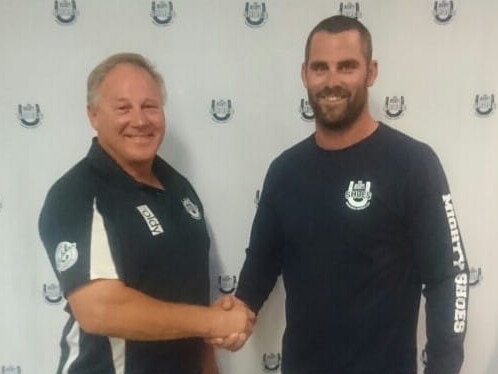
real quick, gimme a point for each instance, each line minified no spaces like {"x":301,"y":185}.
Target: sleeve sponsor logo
{"x":66,"y":255}
{"x":459,"y":262}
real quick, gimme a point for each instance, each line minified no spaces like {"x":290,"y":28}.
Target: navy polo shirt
{"x":97,"y":222}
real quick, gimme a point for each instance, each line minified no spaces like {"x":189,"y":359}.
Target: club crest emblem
{"x":394,"y":106}
{"x":66,"y":255}
{"x":162,"y":12}
{"x":484,"y":105}
{"x":350,"y":9}
{"x":443,"y":11}
{"x":271,"y":361}
{"x":191,"y":208}
{"x":65,"y":11}
{"x":221,"y":110}
{"x":358,"y":195}
{"x":255,"y":14}
{"x":52,"y":293}
{"x":227,"y":283}
{"x":475,"y":276}
{"x":306,"y":111}
{"x":11,"y":369}
{"x":29,"y":115}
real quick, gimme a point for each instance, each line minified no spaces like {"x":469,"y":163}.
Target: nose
{"x":332,"y":78}
{"x":139,"y":117}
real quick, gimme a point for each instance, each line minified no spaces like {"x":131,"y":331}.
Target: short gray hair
{"x":98,"y":74}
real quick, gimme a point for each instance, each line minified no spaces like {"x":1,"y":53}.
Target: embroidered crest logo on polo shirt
{"x":151,"y":220}
{"x":66,"y":255}
{"x":191,"y":208}
{"x":358,"y":195}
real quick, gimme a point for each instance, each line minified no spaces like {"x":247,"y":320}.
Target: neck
{"x":332,"y":140}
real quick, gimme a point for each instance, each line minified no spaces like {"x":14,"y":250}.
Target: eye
{"x":123,"y":108}
{"x":348,"y":66}
{"x":150,"y":107}
{"x":318,"y":66}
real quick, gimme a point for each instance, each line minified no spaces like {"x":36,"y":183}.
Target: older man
{"x":126,"y":236}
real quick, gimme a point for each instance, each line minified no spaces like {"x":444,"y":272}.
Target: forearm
{"x":446,"y":314}
{"x":107,"y":307}
{"x":210,"y":365}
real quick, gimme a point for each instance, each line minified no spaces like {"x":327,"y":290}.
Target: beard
{"x":341,"y":115}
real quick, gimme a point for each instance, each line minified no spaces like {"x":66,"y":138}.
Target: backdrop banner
{"x":235,"y":102}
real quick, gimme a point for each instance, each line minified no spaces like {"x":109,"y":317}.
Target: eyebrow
{"x":349,"y":62}
{"x":318,"y":65}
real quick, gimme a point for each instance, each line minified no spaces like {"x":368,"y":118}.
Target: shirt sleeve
{"x":440,"y":255}
{"x":263,"y":263}
{"x":74,"y":237}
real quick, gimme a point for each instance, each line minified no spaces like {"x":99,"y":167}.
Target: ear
{"x":92,"y":114}
{"x":373,"y":70}
{"x":303,"y":75}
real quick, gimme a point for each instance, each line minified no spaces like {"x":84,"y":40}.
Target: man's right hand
{"x":236,"y":324}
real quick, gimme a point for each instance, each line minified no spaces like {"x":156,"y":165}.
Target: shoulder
{"x":404,"y":146}
{"x":73,"y":191}
{"x":76,"y":180}
{"x":294,"y":156}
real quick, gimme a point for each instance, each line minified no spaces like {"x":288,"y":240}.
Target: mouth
{"x":142,"y":138}
{"x":332,"y":98}
{"x":333,"y":95}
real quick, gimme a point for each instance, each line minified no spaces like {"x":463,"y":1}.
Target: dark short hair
{"x":337,"y":24}
{"x":98,"y":74}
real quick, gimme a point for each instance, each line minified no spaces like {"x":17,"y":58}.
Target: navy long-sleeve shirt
{"x":357,"y":235}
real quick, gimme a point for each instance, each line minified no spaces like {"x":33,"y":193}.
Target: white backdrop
{"x":235,"y":102}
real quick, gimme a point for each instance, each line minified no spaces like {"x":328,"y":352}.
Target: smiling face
{"x":128,"y":116}
{"x":337,"y":75}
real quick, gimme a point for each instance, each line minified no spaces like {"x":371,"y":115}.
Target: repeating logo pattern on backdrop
{"x":443,"y":11}
{"x":272,"y":361}
{"x":221,"y":110}
{"x":255,"y":13}
{"x":350,"y":9}
{"x":306,"y":111}
{"x":52,"y":293}
{"x":227,"y":283}
{"x":162,"y":12}
{"x":65,"y":11}
{"x":394,"y":106}
{"x":475,"y":276}
{"x":484,"y":105}
{"x":257,"y":196}
{"x":10,"y":369}
{"x":29,"y":115}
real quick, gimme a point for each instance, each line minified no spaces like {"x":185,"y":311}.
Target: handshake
{"x":233,"y":323}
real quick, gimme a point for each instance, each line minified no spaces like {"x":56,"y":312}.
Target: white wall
{"x":206,"y":53}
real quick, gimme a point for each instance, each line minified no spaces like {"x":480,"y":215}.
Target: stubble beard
{"x":338,"y":119}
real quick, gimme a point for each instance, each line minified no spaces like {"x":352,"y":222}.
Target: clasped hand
{"x":235,"y":324}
